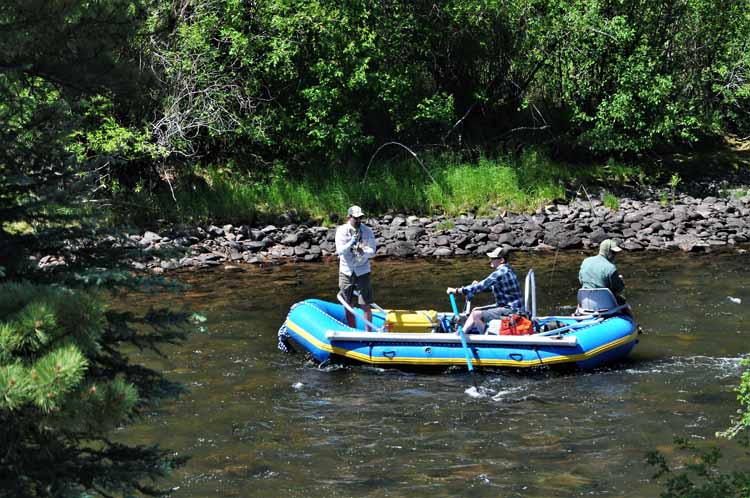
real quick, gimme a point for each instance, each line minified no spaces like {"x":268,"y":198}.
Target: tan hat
{"x":609,"y":245}
{"x":608,"y":248}
{"x":500,"y":252}
{"x":355,"y":212}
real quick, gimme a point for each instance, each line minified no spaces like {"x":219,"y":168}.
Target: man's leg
{"x":346,"y":287}
{"x":368,"y":314}
{"x":364,"y":285}
{"x":474,"y":320}
{"x":496,"y":313}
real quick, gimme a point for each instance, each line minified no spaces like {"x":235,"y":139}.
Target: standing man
{"x":504,"y":285}
{"x":600,"y":272}
{"x":355,"y":245}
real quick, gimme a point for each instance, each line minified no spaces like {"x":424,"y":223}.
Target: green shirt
{"x":597,"y":272}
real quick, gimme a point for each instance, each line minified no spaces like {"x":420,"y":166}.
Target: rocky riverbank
{"x":688,"y":224}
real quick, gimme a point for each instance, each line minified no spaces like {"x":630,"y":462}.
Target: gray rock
{"x":413,"y":233}
{"x":214,"y":231}
{"x":210,"y":257}
{"x":443,"y":252}
{"x":633,"y":217}
{"x":485,"y":248}
{"x":290,"y":240}
{"x":631,"y":245}
{"x":442,"y":240}
{"x":150,"y":238}
{"x":598,"y":235}
{"x":505,"y":239}
{"x":563,"y":240}
{"x":500,"y":228}
{"x":479,"y":227}
{"x":689,"y":243}
{"x":402,"y":249}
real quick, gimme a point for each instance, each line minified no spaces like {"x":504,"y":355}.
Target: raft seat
{"x":599,"y":301}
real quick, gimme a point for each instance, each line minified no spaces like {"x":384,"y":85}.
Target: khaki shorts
{"x":362,"y":283}
{"x":495,"y":313}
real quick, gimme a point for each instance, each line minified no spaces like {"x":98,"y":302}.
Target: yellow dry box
{"x":411,"y":321}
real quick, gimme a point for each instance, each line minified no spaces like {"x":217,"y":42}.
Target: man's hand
{"x":451,"y":290}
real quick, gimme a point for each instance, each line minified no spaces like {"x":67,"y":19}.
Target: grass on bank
{"x":452,"y":187}
{"x":506,"y":184}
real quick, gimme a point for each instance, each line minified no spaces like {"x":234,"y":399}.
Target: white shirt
{"x":354,"y":252}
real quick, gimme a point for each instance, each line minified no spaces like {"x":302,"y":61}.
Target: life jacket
{"x":516,"y":325}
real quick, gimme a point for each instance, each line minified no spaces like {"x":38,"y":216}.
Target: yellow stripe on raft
{"x":461,"y":360}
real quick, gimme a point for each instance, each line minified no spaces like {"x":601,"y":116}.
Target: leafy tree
{"x":65,"y":383}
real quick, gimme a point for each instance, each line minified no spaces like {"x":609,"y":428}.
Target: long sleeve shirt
{"x":355,"y":248}
{"x":597,"y":272}
{"x":504,"y":284}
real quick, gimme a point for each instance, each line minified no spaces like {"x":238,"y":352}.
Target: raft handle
{"x":389,"y":354}
{"x":516,"y":356}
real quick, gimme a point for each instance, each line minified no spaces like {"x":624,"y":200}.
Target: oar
{"x":465,"y":345}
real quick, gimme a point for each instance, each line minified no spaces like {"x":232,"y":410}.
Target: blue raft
{"x":591,"y":340}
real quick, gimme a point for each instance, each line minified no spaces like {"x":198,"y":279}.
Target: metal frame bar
{"x":351,"y":310}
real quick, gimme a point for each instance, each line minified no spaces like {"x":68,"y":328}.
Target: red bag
{"x":516,"y":325}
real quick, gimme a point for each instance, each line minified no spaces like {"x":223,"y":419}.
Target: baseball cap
{"x":500,"y":252}
{"x":609,"y":245}
{"x":355,"y":212}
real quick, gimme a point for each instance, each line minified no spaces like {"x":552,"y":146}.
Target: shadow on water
{"x":258,"y":422}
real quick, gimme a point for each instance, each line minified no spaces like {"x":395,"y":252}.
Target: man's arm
{"x":615,"y":283}
{"x":477,"y":287}
{"x":343,"y":240}
{"x":368,"y":243}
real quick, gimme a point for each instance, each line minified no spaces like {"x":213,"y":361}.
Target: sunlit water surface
{"x":258,"y":422}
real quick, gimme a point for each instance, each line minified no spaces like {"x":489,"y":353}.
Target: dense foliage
{"x":69,"y":116}
{"x":315,"y":81}
{"x":145,"y":89}
{"x":65,"y":386}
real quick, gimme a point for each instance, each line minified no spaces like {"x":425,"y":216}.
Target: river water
{"x":260,"y":423}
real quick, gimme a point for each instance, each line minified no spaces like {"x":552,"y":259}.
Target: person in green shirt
{"x":600,"y":272}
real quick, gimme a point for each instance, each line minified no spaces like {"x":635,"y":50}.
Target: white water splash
{"x":722,"y":367}
{"x":482,"y":392}
{"x":735,"y":300}
{"x":503,"y":395}
{"x":298,"y":385}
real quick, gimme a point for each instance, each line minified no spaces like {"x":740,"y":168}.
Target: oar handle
{"x":453,"y":304}
{"x":462,"y":336}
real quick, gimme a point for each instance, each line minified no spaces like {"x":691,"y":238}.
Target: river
{"x":259,"y":423}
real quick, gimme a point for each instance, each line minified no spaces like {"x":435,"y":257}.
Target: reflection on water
{"x":261,"y":423}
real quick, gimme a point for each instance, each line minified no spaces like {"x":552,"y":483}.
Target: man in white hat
{"x":600,"y":272}
{"x":504,"y":284}
{"x":355,"y":245}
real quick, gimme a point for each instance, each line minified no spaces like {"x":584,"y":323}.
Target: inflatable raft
{"x":597,"y":335}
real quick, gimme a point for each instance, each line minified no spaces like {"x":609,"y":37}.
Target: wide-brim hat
{"x":355,"y":212}
{"x":498,"y":253}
